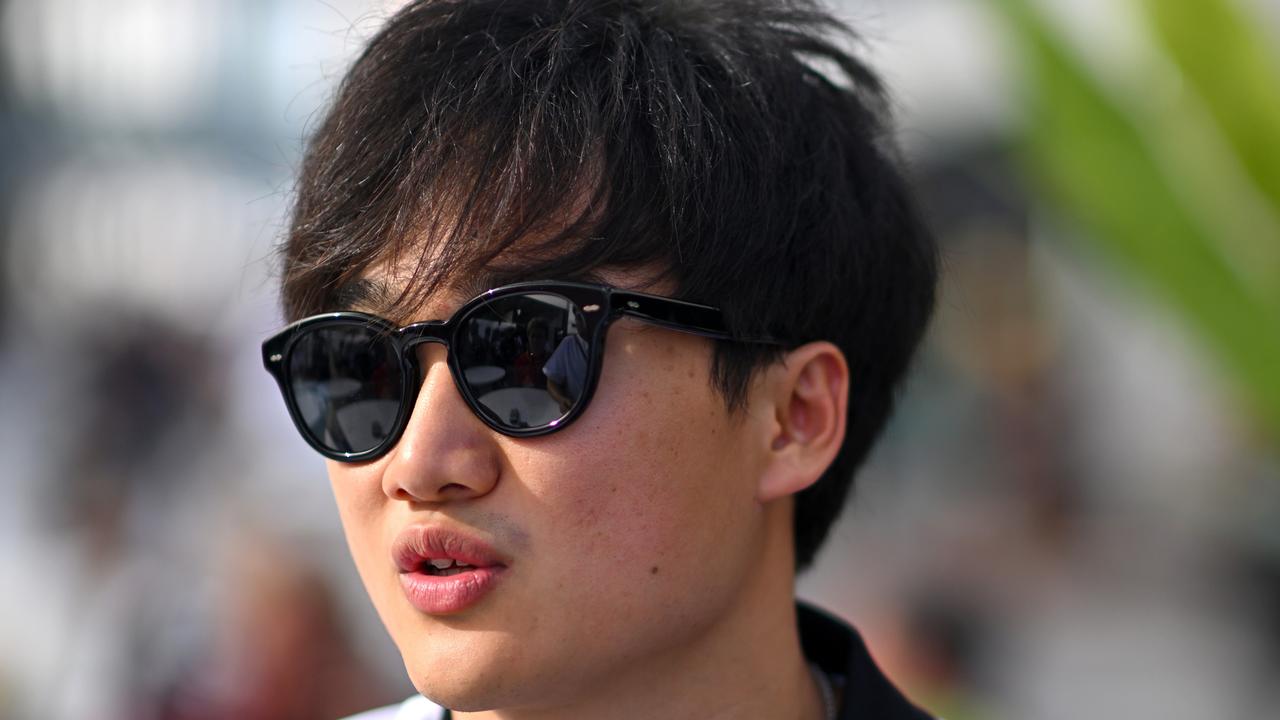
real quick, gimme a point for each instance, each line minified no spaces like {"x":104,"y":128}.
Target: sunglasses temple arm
{"x":676,"y":315}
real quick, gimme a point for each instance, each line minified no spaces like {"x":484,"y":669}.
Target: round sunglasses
{"x":525,"y":358}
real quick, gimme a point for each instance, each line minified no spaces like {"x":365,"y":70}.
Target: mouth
{"x":443,"y":572}
{"x":444,"y":567}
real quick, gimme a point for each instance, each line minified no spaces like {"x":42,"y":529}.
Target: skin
{"x":651,"y":569}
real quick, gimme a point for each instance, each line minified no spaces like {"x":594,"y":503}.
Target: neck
{"x":747,"y":666}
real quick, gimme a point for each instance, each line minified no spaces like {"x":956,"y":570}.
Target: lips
{"x":442,"y":571}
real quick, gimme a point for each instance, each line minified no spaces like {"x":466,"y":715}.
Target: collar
{"x":838,"y":650}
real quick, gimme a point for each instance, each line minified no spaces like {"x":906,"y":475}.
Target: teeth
{"x":461,"y":564}
{"x":441,"y":563}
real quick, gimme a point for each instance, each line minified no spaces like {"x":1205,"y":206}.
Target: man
{"x":698,"y":196}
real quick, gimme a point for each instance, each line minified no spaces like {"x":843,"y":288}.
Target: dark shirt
{"x":838,"y":650}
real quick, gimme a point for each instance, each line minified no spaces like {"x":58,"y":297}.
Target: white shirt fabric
{"x":415,"y":708}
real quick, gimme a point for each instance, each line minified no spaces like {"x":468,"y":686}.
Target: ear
{"x":808,"y":394}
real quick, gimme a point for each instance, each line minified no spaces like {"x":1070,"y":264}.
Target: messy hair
{"x":730,"y":149}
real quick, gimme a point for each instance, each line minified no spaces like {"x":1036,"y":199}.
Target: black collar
{"x":838,"y":650}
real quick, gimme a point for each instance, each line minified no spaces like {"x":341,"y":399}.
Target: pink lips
{"x":417,"y":545}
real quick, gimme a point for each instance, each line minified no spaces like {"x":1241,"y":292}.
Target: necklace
{"x":825,"y":690}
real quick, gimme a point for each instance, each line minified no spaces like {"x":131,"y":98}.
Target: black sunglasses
{"x":525,"y":357}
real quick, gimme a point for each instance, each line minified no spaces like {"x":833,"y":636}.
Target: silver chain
{"x":826,"y":691}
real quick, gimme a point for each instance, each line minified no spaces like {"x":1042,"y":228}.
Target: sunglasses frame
{"x":600,"y":305}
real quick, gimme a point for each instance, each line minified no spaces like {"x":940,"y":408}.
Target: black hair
{"x":731,"y":148}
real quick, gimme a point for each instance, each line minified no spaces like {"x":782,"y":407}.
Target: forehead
{"x":382,"y":291}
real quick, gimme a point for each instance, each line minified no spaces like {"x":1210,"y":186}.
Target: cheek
{"x":655,"y":472}
{"x":358,"y":495}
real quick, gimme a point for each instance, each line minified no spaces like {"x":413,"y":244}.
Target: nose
{"x":446,"y":453}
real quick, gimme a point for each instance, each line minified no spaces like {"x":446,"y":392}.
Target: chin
{"x":478,"y":674}
{"x":451,"y":689}
{"x":469,"y":677}
{"x":482,"y":691}
{"x":458,"y":703}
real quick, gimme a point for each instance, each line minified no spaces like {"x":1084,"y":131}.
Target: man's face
{"x":624,"y":537}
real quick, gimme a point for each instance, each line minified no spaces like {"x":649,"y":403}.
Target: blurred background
{"x":1076,"y":512}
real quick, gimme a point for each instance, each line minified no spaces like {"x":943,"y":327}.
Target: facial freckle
{"x":653,"y":570}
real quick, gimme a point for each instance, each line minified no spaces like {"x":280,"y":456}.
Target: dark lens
{"x":347,"y":385}
{"x":524,"y":358}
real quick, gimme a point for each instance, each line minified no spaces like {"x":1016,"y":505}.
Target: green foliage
{"x":1225,"y":59}
{"x":1120,"y":170}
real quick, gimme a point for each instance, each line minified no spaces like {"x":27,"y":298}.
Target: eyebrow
{"x":376,"y":296}
{"x":364,"y":293}
{"x":488,"y":278}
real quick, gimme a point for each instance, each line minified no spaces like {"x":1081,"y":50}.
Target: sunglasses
{"x":525,"y":358}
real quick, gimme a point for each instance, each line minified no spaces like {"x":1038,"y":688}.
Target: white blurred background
{"x":1076,"y":512}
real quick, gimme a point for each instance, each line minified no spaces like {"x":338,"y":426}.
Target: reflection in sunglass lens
{"x":347,"y":385}
{"x":524,"y":358}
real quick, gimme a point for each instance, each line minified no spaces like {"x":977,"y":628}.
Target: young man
{"x":695,"y":208}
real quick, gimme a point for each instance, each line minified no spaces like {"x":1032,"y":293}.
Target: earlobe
{"x":809,"y":392}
